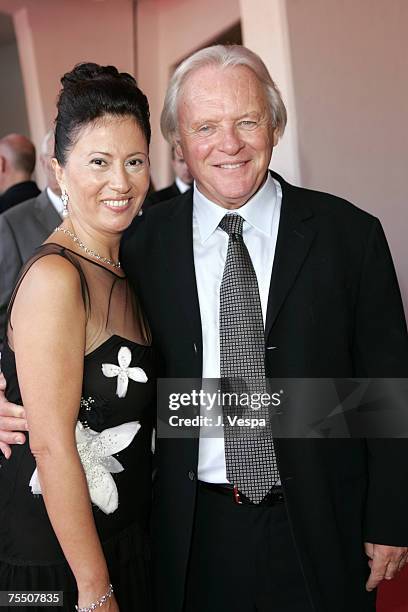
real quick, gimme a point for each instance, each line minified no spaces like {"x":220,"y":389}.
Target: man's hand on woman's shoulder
{"x":12,"y":421}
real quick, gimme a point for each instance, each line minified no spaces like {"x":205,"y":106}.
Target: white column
{"x":265,"y":31}
{"x":34,"y":103}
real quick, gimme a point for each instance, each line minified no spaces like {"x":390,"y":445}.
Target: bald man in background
{"x":25,"y":226}
{"x":17,"y":163}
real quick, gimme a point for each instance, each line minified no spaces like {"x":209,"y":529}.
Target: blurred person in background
{"x":25,"y":226}
{"x":182,"y":182}
{"x":17,"y":163}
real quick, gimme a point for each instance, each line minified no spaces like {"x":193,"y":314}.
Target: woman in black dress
{"x":75,"y":498}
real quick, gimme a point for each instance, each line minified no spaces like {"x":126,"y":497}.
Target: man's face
{"x":225,"y":133}
{"x":181,"y":169}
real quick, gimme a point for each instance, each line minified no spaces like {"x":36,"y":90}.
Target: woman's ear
{"x":59,"y":173}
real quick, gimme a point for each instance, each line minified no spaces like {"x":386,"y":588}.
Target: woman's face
{"x":106,"y":174}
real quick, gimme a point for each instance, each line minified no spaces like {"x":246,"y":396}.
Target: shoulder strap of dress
{"x":42,"y":251}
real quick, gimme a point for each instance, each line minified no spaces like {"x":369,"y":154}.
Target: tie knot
{"x":232,"y":224}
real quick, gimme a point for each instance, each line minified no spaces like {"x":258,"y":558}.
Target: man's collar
{"x":55,"y":201}
{"x":258,"y":211}
{"x":182,"y":186}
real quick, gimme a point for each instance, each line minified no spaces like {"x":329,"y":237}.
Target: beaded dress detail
{"x":113,"y":435}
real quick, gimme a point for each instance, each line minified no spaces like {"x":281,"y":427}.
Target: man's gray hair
{"x":223,"y":56}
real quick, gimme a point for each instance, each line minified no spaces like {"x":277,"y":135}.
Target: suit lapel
{"x":177,"y":240}
{"x":175,"y":190}
{"x":45,"y":212}
{"x":295,"y":237}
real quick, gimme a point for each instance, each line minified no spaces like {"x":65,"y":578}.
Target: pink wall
{"x":350,"y":66}
{"x":13,"y":117}
{"x":54,"y":36}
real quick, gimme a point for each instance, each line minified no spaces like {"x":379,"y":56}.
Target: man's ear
{"x":177,"y":146}
{"x":275,"y":136}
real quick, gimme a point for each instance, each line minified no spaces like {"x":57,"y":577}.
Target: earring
{"x":65,"y":200}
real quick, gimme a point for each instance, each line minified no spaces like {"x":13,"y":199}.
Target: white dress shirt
{"x":182,"y":186}
{"x":55,"y":201}
{"x":261,"y":216}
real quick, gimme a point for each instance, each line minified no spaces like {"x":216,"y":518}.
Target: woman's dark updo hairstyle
{"x":90,"y":92}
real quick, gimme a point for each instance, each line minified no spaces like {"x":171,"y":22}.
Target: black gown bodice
{"x":118,"y":392}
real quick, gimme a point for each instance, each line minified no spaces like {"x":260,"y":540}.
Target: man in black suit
{"x":321,"y":278}
{"x":24,"y":227}
{"x":331,"y":307}
{"x":17,"y":163}
{"x":182,"y":182}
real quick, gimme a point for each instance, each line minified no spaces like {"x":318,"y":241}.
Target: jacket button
{"x":191,"y":475}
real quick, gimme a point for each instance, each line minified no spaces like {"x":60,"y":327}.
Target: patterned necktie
{"x":249,"y":452}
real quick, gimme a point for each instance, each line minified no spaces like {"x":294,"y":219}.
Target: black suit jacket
{"x":334,"y":310}
{"x":22,"y":228}
{"x":161,"y":196}
{"x":18,"y":193}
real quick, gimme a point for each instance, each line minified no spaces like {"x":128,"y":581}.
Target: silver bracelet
{"x":98,"y":603}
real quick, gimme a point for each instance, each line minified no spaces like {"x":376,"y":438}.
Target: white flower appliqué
{"x":95,"y":450}
{"x":123,"y":372}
